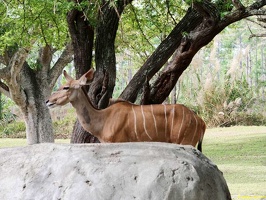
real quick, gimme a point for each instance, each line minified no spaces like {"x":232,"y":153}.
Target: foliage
{"x":44,"y":21}
{"x":63,"y":121}
{"x":224,"y":91}
{"x":6,"y":115}
{"x":8,"y":124}
{"x":63,"y":127}
{"x":13,"y":130}
{"x":144,"y":24}
{"x":219,"y":109}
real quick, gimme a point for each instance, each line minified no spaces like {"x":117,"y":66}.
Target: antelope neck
{"x":87,"y":97}
{"x":87,"y":114}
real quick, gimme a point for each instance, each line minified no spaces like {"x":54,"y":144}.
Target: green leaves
{"x":31,"y":20}
{"x":144,"y":24}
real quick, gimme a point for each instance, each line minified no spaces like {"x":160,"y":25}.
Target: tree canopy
{"x":31,"y":34}
{"x":26,"y":22}
{"x":163,"y":36}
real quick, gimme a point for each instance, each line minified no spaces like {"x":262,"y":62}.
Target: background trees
{"x":31,"y":33}
{"x":201,"y":22}
{"x":229,"y":88}
{"x":163,"y":36}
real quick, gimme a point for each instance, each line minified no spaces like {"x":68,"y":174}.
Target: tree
{"x":29,"y":88}
{"x":82,"y":36}
{"x":29,"y":26}
{"x":107,"y":22}
{"x":26,"y":78}
{"x":202,"y":21}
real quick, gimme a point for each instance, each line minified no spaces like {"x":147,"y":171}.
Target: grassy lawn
{"x":239,"y":152}
{"x":16,"y":142}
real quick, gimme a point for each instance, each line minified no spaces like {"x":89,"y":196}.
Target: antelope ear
{"x":87,"y":77}
{"x":68,"y":78}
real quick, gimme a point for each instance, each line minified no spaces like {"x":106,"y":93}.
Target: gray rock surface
{"x":140,"y":171}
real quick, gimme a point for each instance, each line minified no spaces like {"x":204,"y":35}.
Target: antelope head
{"x":69,"y":91}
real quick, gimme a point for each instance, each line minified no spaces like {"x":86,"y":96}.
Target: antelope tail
{"x":199,"y":147}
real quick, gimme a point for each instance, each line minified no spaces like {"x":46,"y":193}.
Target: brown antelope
{"x":127,"y":122}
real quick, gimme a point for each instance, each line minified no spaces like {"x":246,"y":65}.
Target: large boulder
{"x":143,"y":171}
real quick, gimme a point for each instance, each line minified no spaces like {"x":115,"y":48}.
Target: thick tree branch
{"x":257,"y":5}
{"x":207,"y":9}
{"x":253,"y":9}
{"x":82,"y":35}
{"x":257,"y":35}
{"x":238,"y":5}
{"x":65,"y":58}
{"x":6,"y":76}
{"x":5,"y":73}
{"x":163,"y":85}
{"x":16,"y":63}
{"x":2,"y":60}
{"x":7,"y":54}
{"x":101,"y":89}
{"x":4,"y":89}
{"x":45,"y":57}
{"x":162,"y":53}
{"x":195,"y":39}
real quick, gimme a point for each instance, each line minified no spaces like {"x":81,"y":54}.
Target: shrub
{"x":228,"y":103}
{"x":63,"y":127}
{"x":238,"y":111}
{"x":14,"y":130}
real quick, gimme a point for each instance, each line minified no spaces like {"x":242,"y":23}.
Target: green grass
{"x":10,"y":142}
{"x":17,"y":142}
{"x":239,"y":152}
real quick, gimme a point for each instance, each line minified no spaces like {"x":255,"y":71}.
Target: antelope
{"x":127,"y":122}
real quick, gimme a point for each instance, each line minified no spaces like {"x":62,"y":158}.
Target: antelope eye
{"x":66,"y":88}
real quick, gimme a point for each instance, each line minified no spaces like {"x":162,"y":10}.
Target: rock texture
{"x":140,"y":171}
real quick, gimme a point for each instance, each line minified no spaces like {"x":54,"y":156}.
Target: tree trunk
{"x":1,"y":107}
{"x":29,"y":87}
{"x":197,"y":28}
{"x":81,"y":136}
{"x":82,"y":35}
{"x":101,"y":89}
{"x":163,"y":52}
{"x":38,"y":120}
